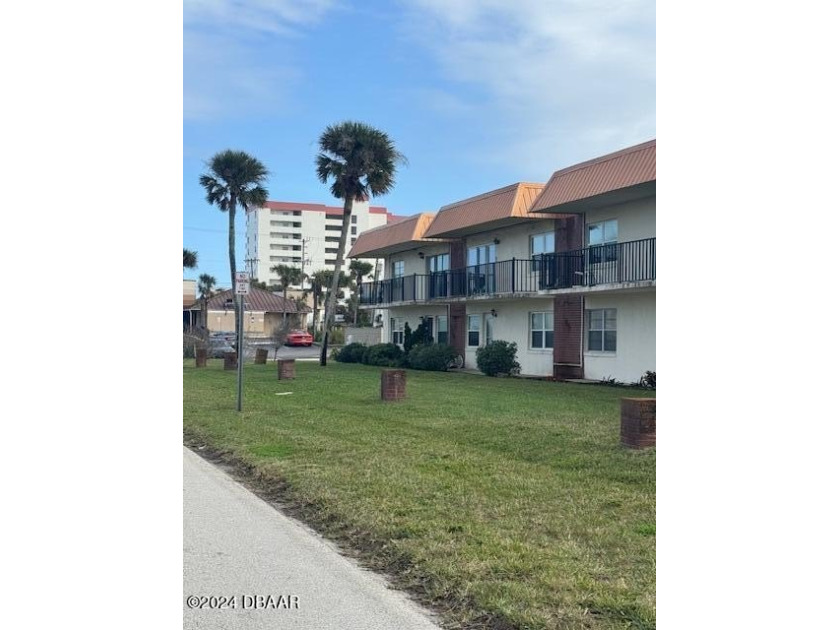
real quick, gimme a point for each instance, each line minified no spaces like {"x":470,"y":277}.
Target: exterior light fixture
{"x":493,"y":312}
{"x":496,"y":241}
{"x":421,"y":254}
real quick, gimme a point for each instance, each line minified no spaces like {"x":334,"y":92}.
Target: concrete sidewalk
{"x":239,"y":551}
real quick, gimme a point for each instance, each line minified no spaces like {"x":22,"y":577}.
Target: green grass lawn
{"x":503,"y":502}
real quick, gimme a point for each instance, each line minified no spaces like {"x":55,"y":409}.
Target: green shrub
{"x":431,"y":356}
{"x":421,"y":335}
{"x":384,"y":354}
{"x":351,"y":353}
{"x":497,"y":357}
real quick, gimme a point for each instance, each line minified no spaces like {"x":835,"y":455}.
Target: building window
{"x":352,"y":241}
{"x":397,"y":269}
{"x":602,"y":238}
{"x":541,"y":244}
{"x":473,"y":330}
{"x":437,"y":263}
{"x":602,"y":330}
{"x":442,"y":329}
{"x":397,"y":330}
{"x":353,"y":219}
{"x":542,"y":330}
{"x":296,"y":213}
{"x":352,"y":229}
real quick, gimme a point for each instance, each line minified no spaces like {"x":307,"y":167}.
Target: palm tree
{"x":288,"y":277}
{"x":206,"y":284}
{"x":235,"y":178}
{"x":321,"y":282}
{"x":359,"y":269}
{"x":361,"y":162}
{"x":190,"y":259}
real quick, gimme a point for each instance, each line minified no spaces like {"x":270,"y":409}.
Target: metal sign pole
{"x":243,"y":286}
{"x":240,"y":360}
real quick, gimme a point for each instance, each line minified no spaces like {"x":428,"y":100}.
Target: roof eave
{"x":488,"y":226}
{"x":602,"y":200}
{"x":381,"y":252}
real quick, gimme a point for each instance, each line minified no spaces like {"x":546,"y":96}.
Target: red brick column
{"x":262,"y":355}
{"x":200,"y":357}
{"x":638,"y":422}
{"x":392,"y":386}
{"x":285,"y":369}
{"x":230,"y":360}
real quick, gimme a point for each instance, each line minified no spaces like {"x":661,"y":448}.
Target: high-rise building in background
{"x":303,"y":235}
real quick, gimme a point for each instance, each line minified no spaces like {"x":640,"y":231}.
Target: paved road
{"x":237,"y":545}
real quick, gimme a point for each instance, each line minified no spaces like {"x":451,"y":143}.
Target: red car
{"x":299,"y":338}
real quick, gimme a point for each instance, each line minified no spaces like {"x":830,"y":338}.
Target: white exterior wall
{"x":636,"y":219}
{"x":635,"y":339}
{"x":512,"y":323}
{"x":514,"y":240}
{"x":412,"y":315}
{"x":261,"y":235}
{"x":411,"y":257}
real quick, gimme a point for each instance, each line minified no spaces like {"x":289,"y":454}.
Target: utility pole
{"x":251,"y":262}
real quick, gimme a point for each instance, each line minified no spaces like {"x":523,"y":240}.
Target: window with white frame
{"x":437,"y":263}
{"x":473,"y":330}
{"x":442,"y":329}
{"x":397,"y":268}
{"x":397,"y":330}
{"x":542,"y":330}
{"x":601,"y":330}
{"x":541,"y":244}
{"x":602,"y":239}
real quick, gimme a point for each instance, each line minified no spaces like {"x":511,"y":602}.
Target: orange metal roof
{"x":392,"y":237}
{"x":496,"y":207}
{"x":622,"y":169}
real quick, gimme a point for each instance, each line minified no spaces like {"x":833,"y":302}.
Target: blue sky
{"x":477,"y":94}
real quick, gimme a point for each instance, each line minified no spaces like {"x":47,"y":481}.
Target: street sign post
{"x":243,"y":283}
{"x":243,"y":286}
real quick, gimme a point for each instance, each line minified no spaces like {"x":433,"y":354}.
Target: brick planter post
{"x":638,"y":422}
{"x":262,"y":355}
{"x":392,"y":385}
{"x":230,"y":360}
{"x":200,"y":357}
{"x":285,"y":369}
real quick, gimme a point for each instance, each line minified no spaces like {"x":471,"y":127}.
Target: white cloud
{"x":225,"y":73}
{"x":270,"y":16}
{"x":570,"y":79}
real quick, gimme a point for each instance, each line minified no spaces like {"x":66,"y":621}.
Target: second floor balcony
{"x":617,"y":265}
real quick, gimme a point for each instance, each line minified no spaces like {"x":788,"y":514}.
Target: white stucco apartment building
{"x":567,"y":270}
{"x":303,"y":235}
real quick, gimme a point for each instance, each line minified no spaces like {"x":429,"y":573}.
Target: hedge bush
{"x":384,"y":354}
{"x":431,"y":356}
{"x":497,"y":357}
{"x":351,"y":353}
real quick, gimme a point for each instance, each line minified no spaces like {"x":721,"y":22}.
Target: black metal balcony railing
{"x":633,"y":261}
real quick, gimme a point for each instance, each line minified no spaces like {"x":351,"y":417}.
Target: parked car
{"x":217,"y":347}
{"x":299,"y":338}
{"x":225,"y":336}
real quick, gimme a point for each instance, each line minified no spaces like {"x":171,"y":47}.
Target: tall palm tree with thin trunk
{"x":361,"y":162}
{"x":288,"y":276}
{"x":235,"y":179}
{"x":359,"y":269}
{"x":321,"y":282}
{"x":206,"y":284}
{"x":190,"y":259}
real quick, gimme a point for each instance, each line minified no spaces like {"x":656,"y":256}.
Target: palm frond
{"x":360,"y":160}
